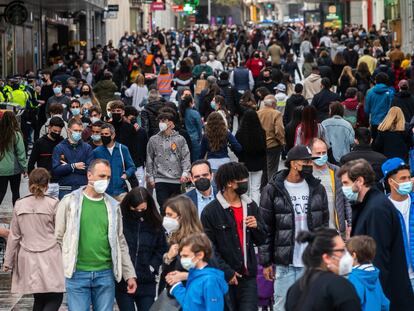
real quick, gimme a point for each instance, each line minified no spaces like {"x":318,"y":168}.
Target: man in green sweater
{"x":95,"y":253}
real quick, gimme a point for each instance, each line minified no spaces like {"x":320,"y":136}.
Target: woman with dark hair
{"x":290,"y":128}
{"x":290,"y":67}
{"x":145,"y":236}
{"x":252,"y":138}
{"x":215,"y":141}
{"x":322,"y":287}
{"x":261,"y":93}
{"x":338,"y":65}
{"x":183,"y":77}
{"x":13,"y":161}
{"x":363,"y":77}
{"x":207,"y":96}
{"x":309,"y":127}
{"x":33,"y":253}
{"x":398,"y":72}
{"x":193,"y":124}
{"x":219,"y":105}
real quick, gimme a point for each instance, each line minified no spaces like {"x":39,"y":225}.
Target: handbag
{"x":165,"y":303}
{"x":200,"y":85}
{"x":131,"y":181}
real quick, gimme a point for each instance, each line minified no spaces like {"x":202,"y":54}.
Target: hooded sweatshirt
{"x":311,"y":86}
{"x":378,"y":102}
{"x":365,"y":279}
{"x":205,"y":290}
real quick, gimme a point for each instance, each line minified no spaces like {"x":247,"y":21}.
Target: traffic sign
{"x":157,"y":6}
{"x":178,"y":8}
{"x":113,"y":8}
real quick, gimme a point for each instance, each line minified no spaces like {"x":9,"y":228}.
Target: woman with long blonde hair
{"x":393,"y":139}
{"x":215,"y":141}
{"x":138,"y":91}
{"x":180,"y":220}
{"x":346,"y":80}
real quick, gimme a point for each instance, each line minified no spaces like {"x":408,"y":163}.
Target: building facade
{"x":78,"y":23}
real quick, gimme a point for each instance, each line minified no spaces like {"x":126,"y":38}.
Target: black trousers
{"x":164,"y":191}
{"x":242,"y":297}
{"x":14,"y":185}
{"x":47,"y":301}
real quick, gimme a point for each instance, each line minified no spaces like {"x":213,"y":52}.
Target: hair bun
{"x":305,"y":237}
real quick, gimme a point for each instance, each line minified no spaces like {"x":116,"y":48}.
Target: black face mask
{"x":116,"y":117}
{"x":55,"y":136}
{"x":85,"y":93}
{"x":138,"y":215}
{"x":44,"y":79}
{"x":133,"y":121}
{"x":202,"y":184}
{"x":106,"y":140}
{"x":306,"y":171}
{"x":242,"y":187}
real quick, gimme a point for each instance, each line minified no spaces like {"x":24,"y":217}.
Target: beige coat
{"x":272,"y":122}
{"x":32,"y":249}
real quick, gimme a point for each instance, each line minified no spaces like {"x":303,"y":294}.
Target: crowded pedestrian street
{"x":206,"y":155}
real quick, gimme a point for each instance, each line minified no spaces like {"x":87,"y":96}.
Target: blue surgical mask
{"x":96,"y":137}
{"x":57,"y":90}
{"x":349,"y":193}
{"x":75,"y":111}
{"x":213,"y":105}
{"x":404,"y":188}
{"x":321,"y":161}
{"x":76,"y":136}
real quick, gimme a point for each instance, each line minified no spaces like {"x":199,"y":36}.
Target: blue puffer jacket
{"x":64,"y":157}
{"x":378,"y":102}
{"x":409,"y":240}
{"x":368,"y":287}
{"x":117,"y":185}
{"x":204,"y":291}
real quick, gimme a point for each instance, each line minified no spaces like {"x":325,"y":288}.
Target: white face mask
{"x":94,"y":119}
{"x":170,"y":224}
{"x":101,"y":185}
{"x":163,"y":126}
{"x":345,"y":264}
{"x":188,"y":263}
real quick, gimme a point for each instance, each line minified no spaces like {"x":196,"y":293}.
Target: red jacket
{"x":255,"y":65}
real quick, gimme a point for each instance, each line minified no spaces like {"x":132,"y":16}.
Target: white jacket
{"x":67,"y":234}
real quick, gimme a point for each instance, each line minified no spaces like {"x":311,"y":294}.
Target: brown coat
{"x":32,"y":249}
{"x":272,"y":123}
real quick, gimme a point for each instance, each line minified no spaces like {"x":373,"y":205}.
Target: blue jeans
{"x":85,"y":288}
{"x":285,"y":276}
{"x":412,"y":283}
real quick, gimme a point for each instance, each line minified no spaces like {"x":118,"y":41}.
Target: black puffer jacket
{"x":149,"y":117}
{"x":278,"y":215}
{"x":229,"y":93}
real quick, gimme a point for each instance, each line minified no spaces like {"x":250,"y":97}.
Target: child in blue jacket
{"x":206,"y":286}
{"x":364,"y":276}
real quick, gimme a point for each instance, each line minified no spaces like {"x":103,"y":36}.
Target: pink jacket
{"x":32,"y":249}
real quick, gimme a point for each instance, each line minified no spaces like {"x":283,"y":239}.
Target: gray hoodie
{"x":168,"y":158}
